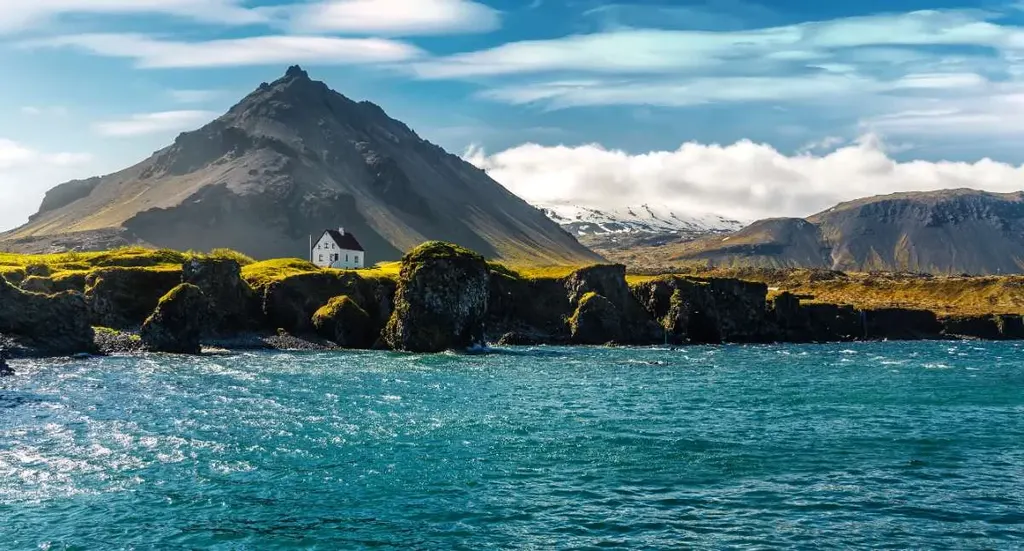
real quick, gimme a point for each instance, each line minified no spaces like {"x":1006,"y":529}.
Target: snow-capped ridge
{"x":637,"y":219}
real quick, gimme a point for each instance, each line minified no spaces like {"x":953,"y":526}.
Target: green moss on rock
{"x":122,"y":298}
{"x":441,"y":302}
{"x":178,"y":323}
{"x":345,"y":323}
{"x":596,"y":321}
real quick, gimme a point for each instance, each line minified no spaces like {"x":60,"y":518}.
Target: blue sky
{"x":91,"y":86}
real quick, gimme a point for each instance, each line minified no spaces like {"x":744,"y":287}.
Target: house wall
{"x":326,"y":254}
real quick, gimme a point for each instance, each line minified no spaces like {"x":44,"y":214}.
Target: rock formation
{"x":179,"y":321}
{"x":344,"y":323}
{"x":441,"y":302}
{"x":52,"y":324}
{"x":122,"y":298}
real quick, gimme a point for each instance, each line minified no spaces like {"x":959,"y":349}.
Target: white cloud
{"x":396,"y":17}
{"x":18,"y":15}
{"x":258,"y":50}
{"x":26,"y":173}
{"x":744,"y":180}
{"x":194,"y":96}
{"x":154,"y":123}
{"x":51,"y":111}
{"x":646,"y":51}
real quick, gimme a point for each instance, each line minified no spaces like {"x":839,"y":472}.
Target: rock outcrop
{"x":122,"y":298}
{"x":178,"y":323}
{"x":234,"y":306}
{"x":700,"y":311}
{"x":51,"y":324}
{"x":596,"y":321}
{"x":441,"y":302}
{"x":344,"y":323}
{"x":290,"y":302}
{"x":5,"y":370}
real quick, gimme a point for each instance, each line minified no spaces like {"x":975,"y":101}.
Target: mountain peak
{"x":296,"y":72}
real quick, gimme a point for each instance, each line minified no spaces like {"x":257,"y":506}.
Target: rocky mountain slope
{"x":942,"y":232}
{"x":635,"y":226}
{"x":291,"y":159}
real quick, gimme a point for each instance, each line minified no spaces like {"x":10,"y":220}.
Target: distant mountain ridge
{"x":291,"y":159}
{"x":942,"y":232}
{"x":635,"y":226}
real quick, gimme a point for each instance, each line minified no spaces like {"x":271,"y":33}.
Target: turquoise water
{"x":885,"y":445}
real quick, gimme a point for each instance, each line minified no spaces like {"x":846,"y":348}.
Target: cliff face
{"x":943,"y":232}
{"x":291,"y":159}
{"x":444,"y":298}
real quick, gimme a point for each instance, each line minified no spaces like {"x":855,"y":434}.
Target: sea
{"x":850,"y":446}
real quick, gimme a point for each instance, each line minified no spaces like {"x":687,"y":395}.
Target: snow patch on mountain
{"x":642,"y":219}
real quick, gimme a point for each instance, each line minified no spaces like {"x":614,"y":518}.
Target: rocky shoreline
{"x":445,"y":297}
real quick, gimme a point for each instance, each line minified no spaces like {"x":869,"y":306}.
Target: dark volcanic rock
{"x":441,"y":301}
{"x":112,"y":341}
{"x":122,"y":298}
{"x":291,"y":302}
{"x":707,"y":311}
{"x":344,"y":323}
{"x":178,"y":323}
{"x":977,"y":327}
{"x":521,"y":311}
{"x":596,"y":321}
{"x":54,"y":324}
{"x":609,"y":281}
{"x":38,"y":284}
{"x":1011,"y":326}
{"x":234,"y":306}
{"x":901,"y":324}
{"x":797,"y":322}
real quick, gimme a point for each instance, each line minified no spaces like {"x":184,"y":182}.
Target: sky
{"x":745,"y":109}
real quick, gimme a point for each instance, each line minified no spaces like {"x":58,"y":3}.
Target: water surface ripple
{"x":881,"y":445}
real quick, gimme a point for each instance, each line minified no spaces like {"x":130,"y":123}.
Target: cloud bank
{"x":26,"y":174}
{"x":744,"y":180}
{"x":154,"y":123}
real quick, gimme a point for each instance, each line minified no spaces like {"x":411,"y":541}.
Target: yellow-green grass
{"x":944,"y":295}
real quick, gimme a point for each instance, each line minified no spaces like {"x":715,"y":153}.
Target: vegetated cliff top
{"x":944,"y":295}
{"x":291,"y":159}
{"x":939,"y":232}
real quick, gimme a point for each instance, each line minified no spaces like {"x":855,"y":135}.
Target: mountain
{"x":635,"y":226}
{"x":942,"y":232}
{"x":292,"y":159}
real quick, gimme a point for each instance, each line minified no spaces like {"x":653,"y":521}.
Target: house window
{"x":320,"y":257}
{"x":346,"y":258}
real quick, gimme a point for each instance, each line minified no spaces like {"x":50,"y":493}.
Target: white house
{"x":337,"y":249}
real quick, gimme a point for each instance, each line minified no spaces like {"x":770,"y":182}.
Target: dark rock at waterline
{"x":112,"y":341}
{"x":178,"y":323}
{"x":707,"y":311}
{"x":976,"y":327}
{"x":291,"y":302}
{"x":441,"y":302}
{"x":596,"y":321}
{"x":5,"y":370}
{"x":51,"y":324}
{"x":345,"y":323}
{"x":901,"y":324}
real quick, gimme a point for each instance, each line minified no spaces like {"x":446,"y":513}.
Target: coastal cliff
{"x":439,"y":297}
